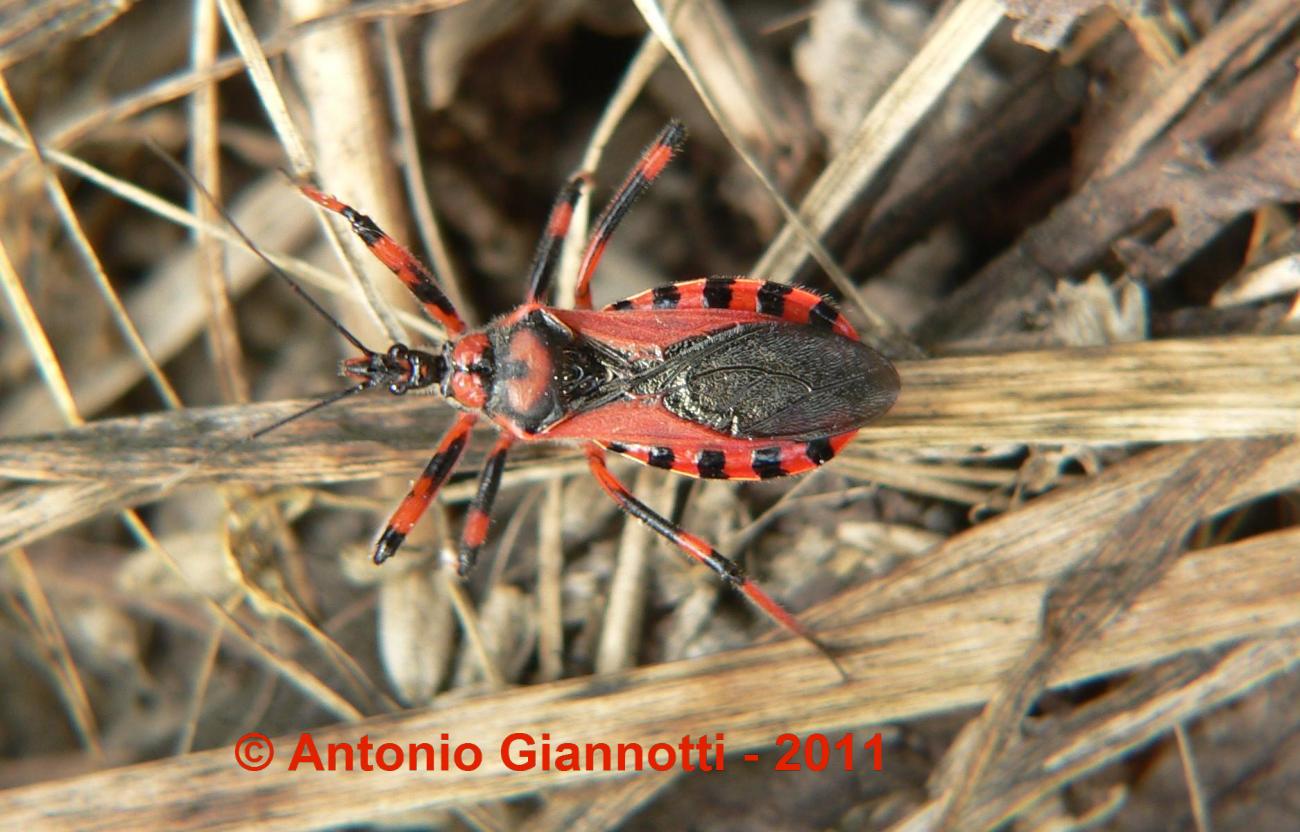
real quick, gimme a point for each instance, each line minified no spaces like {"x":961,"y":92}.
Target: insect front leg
{"x":480,"y":510}
{"x":727,"y":569}
{"x":653,"y":161}
{"x":399,"y":260}
{"x":423,"y":490}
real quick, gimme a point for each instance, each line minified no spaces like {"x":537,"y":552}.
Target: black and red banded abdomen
{"x":745,"y":296}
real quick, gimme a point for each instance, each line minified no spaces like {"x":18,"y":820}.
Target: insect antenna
{"x":370,"y":356}
{"x":312,"y":408}
{"x":185,"y":174}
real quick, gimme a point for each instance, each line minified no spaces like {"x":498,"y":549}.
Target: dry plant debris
{"x":1062,"y":574}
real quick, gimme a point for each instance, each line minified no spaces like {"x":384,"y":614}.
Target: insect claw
{"x":464,"y":564}
{"x":387,"y":545}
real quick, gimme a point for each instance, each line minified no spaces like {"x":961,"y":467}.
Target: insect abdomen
{"x":737,"y":459}
{"x":744,"y":294}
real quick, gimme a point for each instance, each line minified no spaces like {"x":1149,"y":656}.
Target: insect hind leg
{"x":653,"y":161}
{"x":547,"y":257}
{"x":700,"y":550}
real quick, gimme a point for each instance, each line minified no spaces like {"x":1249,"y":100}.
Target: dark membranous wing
{"x":769,"y":380}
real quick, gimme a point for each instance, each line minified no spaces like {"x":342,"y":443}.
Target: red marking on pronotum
{"x":721,"y":378}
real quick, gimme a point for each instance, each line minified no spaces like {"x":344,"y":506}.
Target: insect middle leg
{"x":653,"y":161}
{"x":727,"y":569}
{"x":423,"y":490}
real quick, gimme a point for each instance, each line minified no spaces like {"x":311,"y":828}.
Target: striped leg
{"x":480,"y":510}
{"x":653,"y":161}
{"x":422,"y":491}
{"x":728,"y":570}
{"x":399,"y":261}
{"x":549,"y":247}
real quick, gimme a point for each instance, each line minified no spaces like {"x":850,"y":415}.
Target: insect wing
{"x":775,"y":380}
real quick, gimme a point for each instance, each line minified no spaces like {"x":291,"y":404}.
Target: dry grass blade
{"x":167,"y":309}
{"x":1253,"y":26}
{"x":885,"y":128}
{"x":33,"y":333}
{"x":1200,"y":811}
{"x":881,"y":331}
{"x":59,"y":196}
{"x":550,"y":563}
{"x":1144,"y":392}
{"x":31,"y":26}
{"x":621,"y":632}
{"x":204,"y":114}
{"x":1144,"y":708}
{"x":603,"y":806}
{"x":40,"y":617}
{"x":1152,"y":391}
{"x":421,"y":201}
{"x":165,"y":306}
{"x":1045,"y":538}
{"x":246,"y":40}
{"x":648,"y":58}
{"x":101,"y":116}
{"x":345,"y":104}
{"x":293,"y":672}
{"x":711,"y":42}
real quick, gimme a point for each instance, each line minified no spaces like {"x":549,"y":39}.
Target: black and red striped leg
{"x":423,"y":490}
{"x":542,"y":271}
{"x":480,"y":509}
{"x":727,"y":569}
{"x":653,"y":161}
{"x":398,"y":259}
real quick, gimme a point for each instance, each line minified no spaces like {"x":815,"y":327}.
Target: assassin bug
{"x":719,"y":378}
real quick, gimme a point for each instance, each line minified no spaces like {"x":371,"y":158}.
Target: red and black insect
{"x":720,"y":378}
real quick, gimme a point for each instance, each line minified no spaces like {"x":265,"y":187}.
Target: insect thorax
{"x":545,"y":371}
